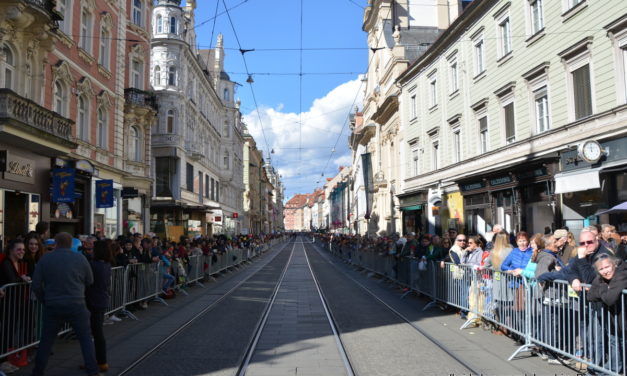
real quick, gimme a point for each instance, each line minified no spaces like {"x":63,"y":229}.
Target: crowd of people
{"x":594,"y":266}
{"x":70,"y":277}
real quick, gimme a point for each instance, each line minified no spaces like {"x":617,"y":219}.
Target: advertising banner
{"x":104,"y":194}
{"x":63,"y":185}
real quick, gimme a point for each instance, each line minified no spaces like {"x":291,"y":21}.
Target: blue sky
{"x":321,"y":102}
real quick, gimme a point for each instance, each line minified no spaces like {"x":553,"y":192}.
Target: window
{"x":172,"y":25}
{"x":137,"y":74}
{"x":572,"y":3}
{"x":225,"y":95}
{"x":159,"y":24}
{"x":508,"y":119}
{"x":582,"y":91}
{"x":435,"y":155}
{"x":413,"y":107}
{"x":213,"y":190}
{"x":226,"y":161}
{"x":157,"y":75}
{"x":541,"y":106}
{"x":483,"y":134}
{"x":64,"y":7}
{"x":102,"y":128}
{"x":505,"y":37}
{"x":207,"y":188}
{"x":189,"y":177}
{"x":227,"y":129}
{"x":536,"y":12}
{"x":105,"y":42}
{"x":479,"y":56}
{"x":217,"y":191}
{"x":83,"y":119}
{"x":433,"y":91}
{"x":169,"y":126}
{"x":135,"y":145}
{"x":86,"y":30}
{"x":165,"y":170}
{"x":172,"y":76}
{"x":453,"y":76}
{"x":9,"y":68}
{"x":137,"y":12}
{"x":623,"y":55}
{"x":60,"y":96}
{"x":457,"y":146}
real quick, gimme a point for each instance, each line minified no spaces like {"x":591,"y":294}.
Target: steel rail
{"x":336,"y":332}
{"x":262,"y":322}
{"x":210,"y":307}
{"x":402,"y":317}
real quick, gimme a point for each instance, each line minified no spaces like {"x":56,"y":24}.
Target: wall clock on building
{"x":590,"y":151}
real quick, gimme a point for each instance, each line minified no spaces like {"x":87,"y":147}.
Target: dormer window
{"x":172,"y":25}
{"x":159,"y":24}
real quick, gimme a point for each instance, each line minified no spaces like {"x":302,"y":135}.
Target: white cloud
{"x":317,"y":137}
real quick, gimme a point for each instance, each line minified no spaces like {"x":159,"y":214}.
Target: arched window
{"x":172,"y":25}
{"x":169,"y":126}
{"x":86,"y":30}
{"x":225,"y":94}
{"x":105,"y":43}
{"x":9,"y":67}
{"x":137,"y":12}
{"x":60,"y":96}
{"x":159,"y":24}
{"x":172,"y":76}
{"x":102,"y":128}
{"x":137,"y":74}
{"x":135,"y":146}
{"x":157,"y":75}
{"x":83,"y":119}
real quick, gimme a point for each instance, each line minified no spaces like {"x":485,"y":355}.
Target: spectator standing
{"x":501,"y":294}
{"x":518,"y":259}
{"x":607,"y":237}
{"x":97,"y":297}
{"x":60,"y":280}
{"x":607,"y":288}
{"x":565,"y":250}
{"x":621,"y":251}
{"x":42,"y":228}
{"x":34,"y":251}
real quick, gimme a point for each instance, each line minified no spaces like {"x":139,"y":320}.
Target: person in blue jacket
{"x":519,"y":257}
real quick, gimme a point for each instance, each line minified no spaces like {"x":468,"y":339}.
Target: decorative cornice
{"x":86,"y":56}
{"x":61,"y":71}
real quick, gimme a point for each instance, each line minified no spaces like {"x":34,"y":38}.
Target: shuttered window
{"x":582,"y":91}
{"x":510,"y":127}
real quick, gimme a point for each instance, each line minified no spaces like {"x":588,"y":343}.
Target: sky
{"x":303,"y":118}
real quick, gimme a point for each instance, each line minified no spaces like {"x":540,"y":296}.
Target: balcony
{"x":166,"y":140}
{"x":139,"y":98}
{"x":27,"y":116}
{"x":194,"y":151}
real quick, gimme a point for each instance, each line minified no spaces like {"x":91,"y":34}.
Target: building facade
{"x":398,"y":32}
{"x":515,"y":116}
{"x":197,"y":121}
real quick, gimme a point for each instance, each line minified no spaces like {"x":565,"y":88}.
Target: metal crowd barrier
{"x":21,"y":314}
{"x":548,"y":316}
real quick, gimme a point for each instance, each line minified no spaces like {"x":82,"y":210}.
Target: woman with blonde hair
{"x":500,"y":293}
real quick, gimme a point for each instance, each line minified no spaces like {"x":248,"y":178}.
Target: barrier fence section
{"x":21,"y":314}
{"x":547,"y":316}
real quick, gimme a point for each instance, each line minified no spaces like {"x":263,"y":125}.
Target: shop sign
{"x":535,"y":173}
{"x":235,"y":215}
{"x":472,"y":186}
{"x":84,"y":166}
{"x":63,"y":185}
{"x":500,"y":180}
{"x":17,"y":168}
{"x":104,"y":194}
{"x":413,"y":199}
{"x":129,"y":192}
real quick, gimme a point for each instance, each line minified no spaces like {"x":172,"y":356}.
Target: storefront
{"x":413,"y":206}
{"x":23,"y":191}
{"x":521,"y":198}
{"x":591,"y":184}
{"x":173,"y":220}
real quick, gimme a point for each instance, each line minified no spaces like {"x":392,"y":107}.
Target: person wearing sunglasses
{"x":581,"y":268}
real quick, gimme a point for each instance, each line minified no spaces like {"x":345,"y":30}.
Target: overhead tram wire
{"x":250,"y":84}
{"x":213,"y":28}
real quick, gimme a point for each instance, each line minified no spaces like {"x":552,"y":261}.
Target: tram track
{"x":445,"y":349}
{"x":333,"y":326}
{"x":134,"y":366}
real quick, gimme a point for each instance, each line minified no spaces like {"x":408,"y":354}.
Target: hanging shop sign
{"x":63,"y":184}
{"x":104,"y":194}
{"x":472,"y":186}
{"x":17,"y":168}
{"x":129,"y":192}
{"x":501,"y":180}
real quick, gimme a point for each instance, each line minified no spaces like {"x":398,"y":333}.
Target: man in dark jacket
{"x":59,"y":282}
{"x":580,"y":269}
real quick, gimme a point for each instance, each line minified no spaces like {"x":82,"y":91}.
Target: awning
{"x":576,"y":181}
{"x":414,"y":207}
